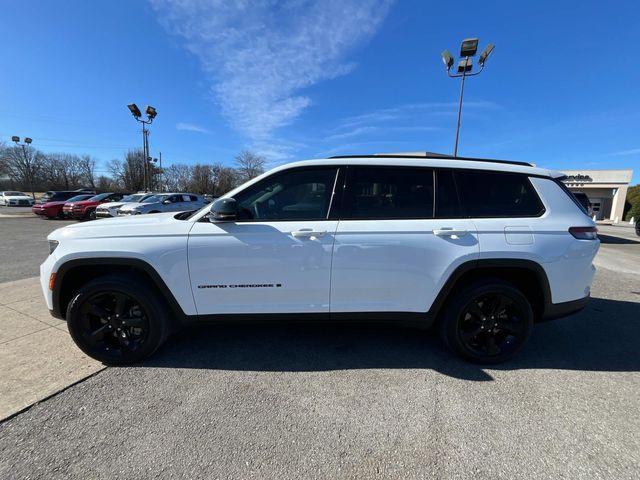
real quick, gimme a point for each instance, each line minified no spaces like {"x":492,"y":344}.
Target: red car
{"x":53,"y":209}
{"x":86,"y":209}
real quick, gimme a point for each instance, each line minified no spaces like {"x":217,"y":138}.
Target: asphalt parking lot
{"x":24,"y":242}
{"x":348,"y":401}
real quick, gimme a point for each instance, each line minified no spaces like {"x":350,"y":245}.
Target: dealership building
{"x":606,"y":189}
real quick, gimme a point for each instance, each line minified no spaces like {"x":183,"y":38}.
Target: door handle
{"x":449,"y":232}
{"x":307,"y":233}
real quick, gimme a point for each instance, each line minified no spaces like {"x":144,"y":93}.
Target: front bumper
{"x":104,"y":214}
{"x":20,"y":203}
{"x":46,"y":269}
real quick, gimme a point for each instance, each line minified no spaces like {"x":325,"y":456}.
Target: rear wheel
{"x":117,"y":320}
{"x":487,"y":322}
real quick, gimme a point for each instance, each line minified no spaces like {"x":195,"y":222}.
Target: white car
{"x":16,"y":199}
{"x":164,"y":202}
{"x":110,"y":209}
{"x":482,"y":249}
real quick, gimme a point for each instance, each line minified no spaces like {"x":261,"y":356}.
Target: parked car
{"x":164,"y":202}
{"x":15,"y":199}
{"x":110,"y":209}
{"x":482,"y":249}
{"x":86,"y":209}
{"x":53,"y":208}
{"x":59,"y":195}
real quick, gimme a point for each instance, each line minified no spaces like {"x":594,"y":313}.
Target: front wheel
{"x":488,"y":322}
{"x":116,"y":320}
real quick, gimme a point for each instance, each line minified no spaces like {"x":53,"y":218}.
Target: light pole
{"x":29,"y":165}
{"x":468,"y":49}
{"x":151,"y":114}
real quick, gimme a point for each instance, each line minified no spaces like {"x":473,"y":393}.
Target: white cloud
{"x":261,"y":54}
{"x":624,"y":153}
{"x":412,"y":110}
{"x":190,"y":127}
{"x":364,"y":131}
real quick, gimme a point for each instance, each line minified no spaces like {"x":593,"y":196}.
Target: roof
{"x":430,"y":160}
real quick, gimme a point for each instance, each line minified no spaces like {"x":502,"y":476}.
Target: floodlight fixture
{"x":469,"y":47}
{"x":447,"y":59}
{"x":135,"y":111}
{"x":15,"y":139}
{"x":151,"y":112}
{"x":485,"y":54}
{"x":465,"y":65}
{"x":28,"y":140}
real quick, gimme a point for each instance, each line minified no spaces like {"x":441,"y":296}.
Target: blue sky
{"x":303,"y":79}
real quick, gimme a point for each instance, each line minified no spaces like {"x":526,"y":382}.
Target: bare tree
{"x":203,"y":179}
{"x":249,"y":165}
{"x":133,"y":171}
{"x":87,"y":166}
{"x":61,"y":170}
{"x":23,"y":164}
{"x":177,"y":177}
{"x":226,"y":179}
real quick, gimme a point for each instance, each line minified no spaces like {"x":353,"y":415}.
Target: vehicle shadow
{"x":616,"y":240}
{"x":603,"y":337}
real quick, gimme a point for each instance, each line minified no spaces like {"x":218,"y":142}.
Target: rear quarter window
{"x":497,"y":194}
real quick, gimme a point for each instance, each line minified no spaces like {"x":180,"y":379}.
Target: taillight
{"x":584,"y":233}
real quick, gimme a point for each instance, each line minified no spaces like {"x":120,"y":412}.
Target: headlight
{"x":53,"y":244}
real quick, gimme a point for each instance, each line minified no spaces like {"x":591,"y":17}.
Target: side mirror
{"x":166,"y":202}
{"x":223,"y":210}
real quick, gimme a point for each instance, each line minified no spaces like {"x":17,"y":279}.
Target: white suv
{"x":481,"y":248}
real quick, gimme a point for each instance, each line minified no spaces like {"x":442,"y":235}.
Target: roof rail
{"x":433,"y":155}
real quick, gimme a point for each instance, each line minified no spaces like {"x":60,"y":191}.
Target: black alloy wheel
{"x":117,"y":319}
{"x":114,"y":324}
{"x":492,"y":325}
{"x":488,"y":322}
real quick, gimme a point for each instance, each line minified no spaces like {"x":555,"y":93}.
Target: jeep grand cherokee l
{"x":483,"y":249}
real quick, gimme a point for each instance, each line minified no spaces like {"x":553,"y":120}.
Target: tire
{"x":487,"y":322}
{"x":117,"y":320}
{"x":91,"y":215}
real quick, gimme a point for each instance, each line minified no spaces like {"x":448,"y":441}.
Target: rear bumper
{"x":558,"y":310}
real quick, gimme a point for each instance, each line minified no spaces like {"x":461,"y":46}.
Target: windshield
{"x":14,"y":194}
{"x":136,"y":197}
{"x":97,"y":198}
{"x":154,"y":198}
{"x":79,"y":198}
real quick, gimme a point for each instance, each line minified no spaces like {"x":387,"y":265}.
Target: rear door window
{"x":389,"y":193}
{"x":497,"y":194}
